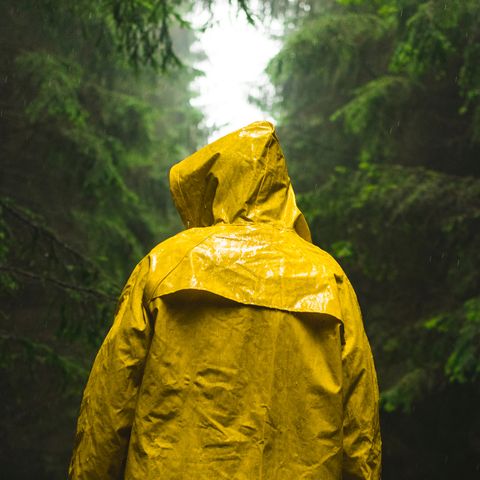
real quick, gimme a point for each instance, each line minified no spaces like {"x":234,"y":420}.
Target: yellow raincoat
{"x":238,"y":350}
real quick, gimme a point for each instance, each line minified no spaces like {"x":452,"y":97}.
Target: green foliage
{"x":372,"y":108}
{"x":56,"y":82}
{"x":408,"y":390}
{"x":378,"y":105}
{"x":88,"y":135}
{"x":379,"y":109}
{"x":36,"y":353}
{"x":427,"y":45}
{"x":463,"y":328}
{"x":326,"y":50}
{"x":411,"y":211}
{"x":144,"y":26}
{"x":342,"y":249}
{"x":314,"y":74}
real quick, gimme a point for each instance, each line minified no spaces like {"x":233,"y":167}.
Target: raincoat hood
{"x":237,"y":350}
{"x":240,"y":178}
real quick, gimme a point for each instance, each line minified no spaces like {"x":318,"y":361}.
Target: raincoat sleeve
{"x":108,"y":405}
{"x":361,"y":429}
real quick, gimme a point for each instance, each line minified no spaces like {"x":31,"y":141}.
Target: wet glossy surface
{"x":238,"y":349}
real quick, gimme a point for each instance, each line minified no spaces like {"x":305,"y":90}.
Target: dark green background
{"x":378,"y":109}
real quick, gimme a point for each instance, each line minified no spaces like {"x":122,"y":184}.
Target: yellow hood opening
{"x":240,"y":178}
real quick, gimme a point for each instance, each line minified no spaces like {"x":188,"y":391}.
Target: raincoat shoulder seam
{"x":171,"y":270}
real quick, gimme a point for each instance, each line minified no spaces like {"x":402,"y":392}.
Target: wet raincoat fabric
{"x":238,"y":350}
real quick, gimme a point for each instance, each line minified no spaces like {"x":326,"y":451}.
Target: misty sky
{"x":237,"y":55}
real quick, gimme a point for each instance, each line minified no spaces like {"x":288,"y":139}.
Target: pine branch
{"x":58,"y":283}
{"x":19,"y":214}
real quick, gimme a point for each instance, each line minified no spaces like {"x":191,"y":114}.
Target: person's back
{"x":238,"y":349}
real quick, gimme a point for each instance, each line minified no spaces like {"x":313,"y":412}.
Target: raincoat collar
{"x":239,"y":179}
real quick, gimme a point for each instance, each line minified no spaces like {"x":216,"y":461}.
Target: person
{"x":238,"y":349}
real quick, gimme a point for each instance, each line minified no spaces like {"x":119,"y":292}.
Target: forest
{"x":377,"y":105}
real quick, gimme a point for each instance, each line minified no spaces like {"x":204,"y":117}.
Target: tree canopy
{"x":378,"y":108}
{"x":89,"y":130}
{"x":378,"y":103}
